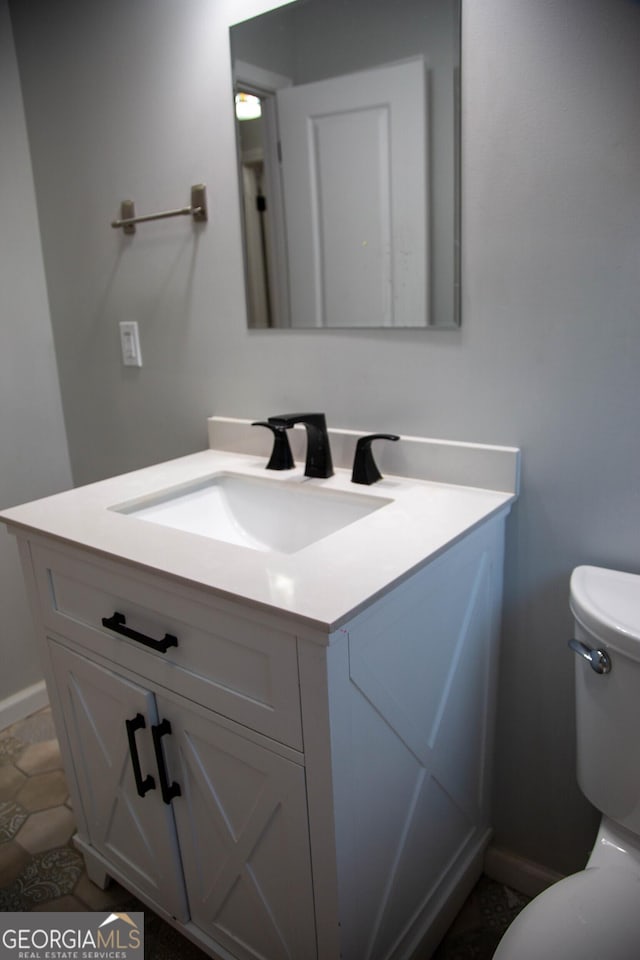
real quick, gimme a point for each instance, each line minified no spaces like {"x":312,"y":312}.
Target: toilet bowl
{"x":595,"y":914}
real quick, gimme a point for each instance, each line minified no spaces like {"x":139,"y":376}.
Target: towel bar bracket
{"x":197,"y":210}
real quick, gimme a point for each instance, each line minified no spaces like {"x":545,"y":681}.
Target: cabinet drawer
{"x":231,"y":663}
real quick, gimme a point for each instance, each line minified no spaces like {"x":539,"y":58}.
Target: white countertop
{"x":321,"y":585}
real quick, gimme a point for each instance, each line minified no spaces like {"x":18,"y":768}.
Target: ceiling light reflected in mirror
{"x":248,"y":107}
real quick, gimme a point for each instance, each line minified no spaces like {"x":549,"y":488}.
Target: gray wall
{"x":34,"y":459}
{"x":134,"y":100}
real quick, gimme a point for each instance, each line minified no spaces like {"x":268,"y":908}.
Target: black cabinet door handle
{"x":117,"y":623}
{"x":146,"y":783}
{"x":168,"y":790}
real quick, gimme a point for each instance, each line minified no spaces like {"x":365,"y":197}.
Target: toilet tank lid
{"x":607,"y":604}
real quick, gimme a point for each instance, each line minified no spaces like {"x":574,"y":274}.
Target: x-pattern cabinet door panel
{"x":242,"y":825}
{"x":135,"y":833}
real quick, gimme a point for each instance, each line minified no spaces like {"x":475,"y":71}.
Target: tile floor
{"x":41,"y":870}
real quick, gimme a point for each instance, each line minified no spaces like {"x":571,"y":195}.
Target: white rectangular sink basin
{"x":269,"y":515}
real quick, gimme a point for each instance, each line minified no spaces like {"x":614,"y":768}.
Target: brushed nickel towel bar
{"x":197,"y":210}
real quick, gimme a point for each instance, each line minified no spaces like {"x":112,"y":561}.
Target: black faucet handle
{"x":281,"y":456}
{"x":365,"y":469}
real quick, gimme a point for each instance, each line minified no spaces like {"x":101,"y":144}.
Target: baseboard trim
{"x":523,"y":875}
{"x":19,"y":705}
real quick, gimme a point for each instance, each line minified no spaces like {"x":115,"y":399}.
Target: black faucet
{"x":365,"y":469}
{"x":319,"y":463}
{"x":281,"y":456}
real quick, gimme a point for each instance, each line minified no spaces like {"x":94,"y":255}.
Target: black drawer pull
{"x":168,"y":790}
{"x":148,"y":783}
{"x":118,"y":623}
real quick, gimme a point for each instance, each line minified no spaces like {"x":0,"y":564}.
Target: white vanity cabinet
{"x":318,"y":725}
{"x":333,"y":787}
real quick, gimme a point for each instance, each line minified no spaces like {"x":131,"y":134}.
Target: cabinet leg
{"x":97,"y":875}
{"x":95,"y":870}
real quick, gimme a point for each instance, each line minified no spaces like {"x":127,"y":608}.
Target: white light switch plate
{"x":130,"y":343}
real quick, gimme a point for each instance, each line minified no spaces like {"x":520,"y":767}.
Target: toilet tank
{"x":606,"y":609}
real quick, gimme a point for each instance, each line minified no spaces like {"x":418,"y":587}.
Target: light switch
{"x":130,"y":343}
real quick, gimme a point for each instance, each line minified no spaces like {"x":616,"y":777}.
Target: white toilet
{"x":595,"y":914}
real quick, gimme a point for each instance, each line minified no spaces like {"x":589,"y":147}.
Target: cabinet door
{"x":242,"y":826}
{"x":134,"y":833}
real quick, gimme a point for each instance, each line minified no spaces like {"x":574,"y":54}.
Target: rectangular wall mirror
{"x":347,"y":120}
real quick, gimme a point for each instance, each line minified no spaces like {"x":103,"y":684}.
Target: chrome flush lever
{"x":599,"y":660}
